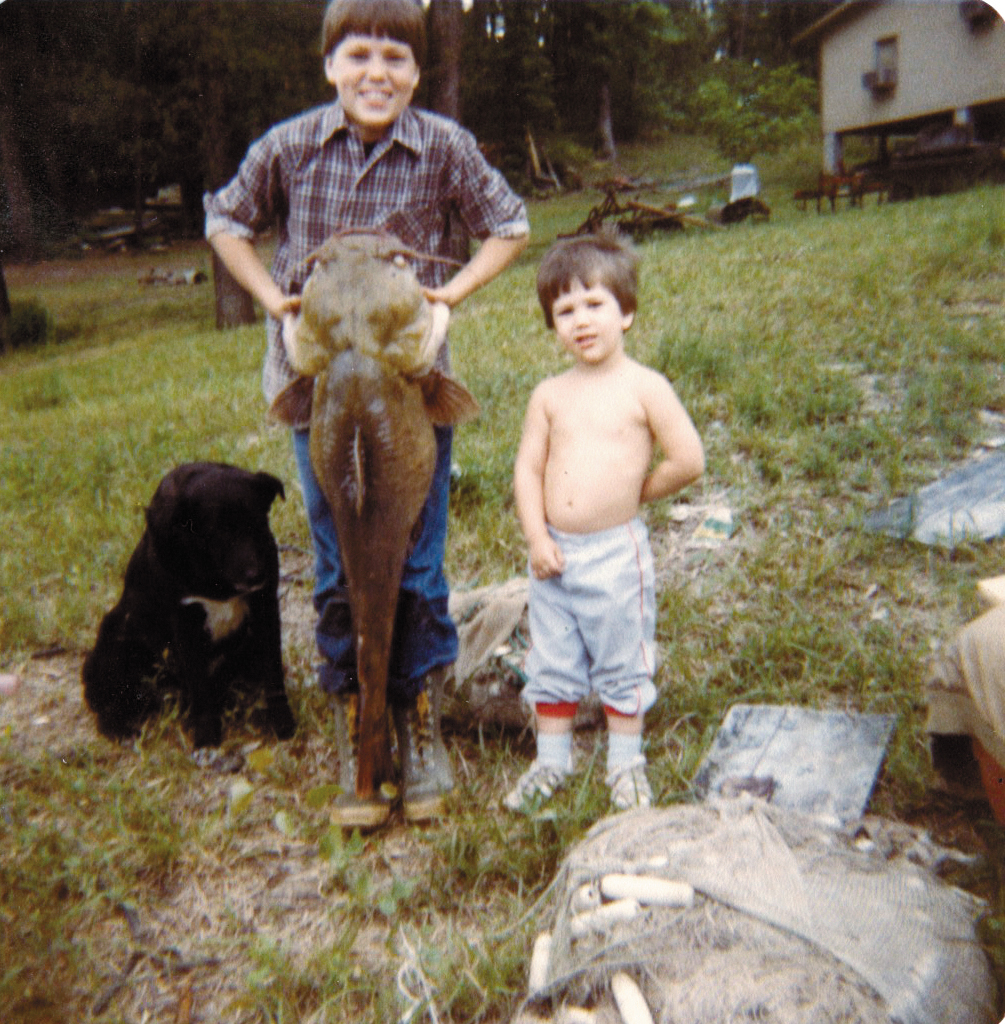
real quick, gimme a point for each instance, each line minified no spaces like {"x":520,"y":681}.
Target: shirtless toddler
{"x":584,"y":467}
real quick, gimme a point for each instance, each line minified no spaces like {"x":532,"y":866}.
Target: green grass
{"x":830,"y":362}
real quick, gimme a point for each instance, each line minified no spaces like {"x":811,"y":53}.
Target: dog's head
{"x":209,"y":525}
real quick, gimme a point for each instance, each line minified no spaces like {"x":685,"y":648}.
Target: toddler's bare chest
{"x":614,"y":420}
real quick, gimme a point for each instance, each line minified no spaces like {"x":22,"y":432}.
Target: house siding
{"x":942,"y":64}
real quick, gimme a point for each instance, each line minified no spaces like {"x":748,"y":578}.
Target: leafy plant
{"x":750,"y":109}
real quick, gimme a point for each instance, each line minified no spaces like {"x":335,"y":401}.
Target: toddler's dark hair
{"x":401,"y":20}
{"x":603,"y":259}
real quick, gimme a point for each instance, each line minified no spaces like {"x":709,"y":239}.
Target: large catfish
{"x":364,"y":344}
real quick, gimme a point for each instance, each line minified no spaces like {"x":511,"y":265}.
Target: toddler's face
{"x":375,"y":78}
{"x":589,"y":322}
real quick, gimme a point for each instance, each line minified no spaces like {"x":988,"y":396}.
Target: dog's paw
{"x":123,"y":733}
{"x":278,"y":719}
{"x":207,"y":731}
{"x":223,"y":763}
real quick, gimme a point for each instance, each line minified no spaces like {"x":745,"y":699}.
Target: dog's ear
{"x":169,"y":507}
{"x":270,"y":488}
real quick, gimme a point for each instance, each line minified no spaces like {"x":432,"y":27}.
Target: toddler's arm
{"x":528,"y":485}
{"x":683,"y":454}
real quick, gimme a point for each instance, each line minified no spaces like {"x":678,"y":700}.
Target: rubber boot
{"x":351,"y":811}
{"x":427,"y":778}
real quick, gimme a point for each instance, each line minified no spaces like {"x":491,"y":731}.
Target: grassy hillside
{"x":831,"y":363}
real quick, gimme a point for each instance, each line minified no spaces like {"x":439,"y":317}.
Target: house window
{"x":882,"y":80}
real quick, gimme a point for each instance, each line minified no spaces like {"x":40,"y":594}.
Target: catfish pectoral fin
{"x":292,"y":405}
{"x":447,"y":401}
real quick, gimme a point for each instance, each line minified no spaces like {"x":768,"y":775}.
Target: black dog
{"x":199,"y":611}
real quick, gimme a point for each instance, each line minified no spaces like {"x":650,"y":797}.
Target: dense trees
{"x":105,"y":101}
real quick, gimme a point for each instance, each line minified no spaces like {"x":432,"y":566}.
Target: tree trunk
{"x":737,"y":36}
{"x":446,"y":34}
{"x":4,"y":313}
{"x":139,"y":202}
{"x":13,"y":180}
{"x":605,"y":125}
{"x":234,"y":305}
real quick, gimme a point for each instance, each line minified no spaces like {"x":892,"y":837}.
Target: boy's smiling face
{"x":589,"y":322}
{"x":375,"y":78}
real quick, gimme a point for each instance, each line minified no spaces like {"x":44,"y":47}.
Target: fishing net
{"x":791,"y":921}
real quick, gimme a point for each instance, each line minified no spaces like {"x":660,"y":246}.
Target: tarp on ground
{"x":486,"y":619}
{"x":967,"y":504}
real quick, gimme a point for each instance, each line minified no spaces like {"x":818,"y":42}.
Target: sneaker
{"x":537,"y":784}
{"x":629,"y":785}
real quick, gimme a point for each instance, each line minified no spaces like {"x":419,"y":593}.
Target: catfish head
{"x":363,"y":294}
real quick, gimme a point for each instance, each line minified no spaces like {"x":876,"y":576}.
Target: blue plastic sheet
{"x":964,"y":506}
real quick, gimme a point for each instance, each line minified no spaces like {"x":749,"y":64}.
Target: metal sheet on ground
{"x":817,"y":762}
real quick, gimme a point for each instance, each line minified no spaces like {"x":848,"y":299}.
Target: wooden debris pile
{"x":636,"y":218}
{"x":624,"y":207}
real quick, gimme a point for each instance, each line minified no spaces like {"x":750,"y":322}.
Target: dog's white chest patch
{"x":222,"y":617}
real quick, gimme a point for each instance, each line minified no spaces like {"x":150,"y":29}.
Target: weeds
{"x":831,"y":363}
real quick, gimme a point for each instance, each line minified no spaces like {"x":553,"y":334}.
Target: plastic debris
{"x":629,"y":999}
{"x":714,"y":530}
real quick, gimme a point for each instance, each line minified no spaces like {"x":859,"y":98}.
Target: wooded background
{"x":103,"y":102}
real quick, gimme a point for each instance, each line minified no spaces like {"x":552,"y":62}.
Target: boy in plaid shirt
{"x":371,"y":160}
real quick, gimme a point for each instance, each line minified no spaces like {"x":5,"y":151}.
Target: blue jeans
{"x":424,"y":633}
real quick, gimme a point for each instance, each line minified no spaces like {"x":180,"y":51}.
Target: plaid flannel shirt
{"x":310,"y":176}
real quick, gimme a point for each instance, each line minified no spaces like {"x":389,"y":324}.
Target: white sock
{"x":622,"y":748}
{"x":555,"y":749}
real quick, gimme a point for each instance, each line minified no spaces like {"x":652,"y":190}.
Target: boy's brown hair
{"x":603,"y":259}
{"x":401,"y":20}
